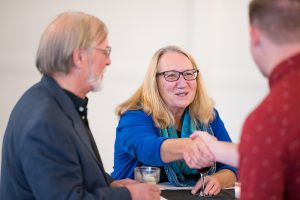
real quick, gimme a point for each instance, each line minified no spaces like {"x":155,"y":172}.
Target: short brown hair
{"x":278,"y":19}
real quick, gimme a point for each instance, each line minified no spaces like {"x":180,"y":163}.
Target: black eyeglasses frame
{"x":194,"y":71}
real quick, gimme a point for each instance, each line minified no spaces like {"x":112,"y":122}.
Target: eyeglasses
{"x":105,"y":51}
{"x":172,"y":75}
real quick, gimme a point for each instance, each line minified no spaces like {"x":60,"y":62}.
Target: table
{"x":227,"y":194}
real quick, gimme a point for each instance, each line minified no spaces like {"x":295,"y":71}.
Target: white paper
{"x":169,"y":186}
{"x":162,"y":198}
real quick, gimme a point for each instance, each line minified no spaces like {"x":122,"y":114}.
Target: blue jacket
{"x":47,"y":153}
{"x":138,"y":137}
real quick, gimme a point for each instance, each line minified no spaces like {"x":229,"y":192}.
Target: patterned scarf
{"x":176,"y":169}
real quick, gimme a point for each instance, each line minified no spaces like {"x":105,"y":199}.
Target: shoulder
{"x":218,"y":127}
{"x":217,"y":119}
{"x":41,"y":107}
{"x":135,"y":115}
{"x":136,"y":118}
{"x":134,"y":112}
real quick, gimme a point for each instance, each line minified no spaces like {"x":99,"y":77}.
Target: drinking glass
{"x":147,"y":174}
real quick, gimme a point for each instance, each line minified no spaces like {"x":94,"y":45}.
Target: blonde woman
{"x":156,"y":122}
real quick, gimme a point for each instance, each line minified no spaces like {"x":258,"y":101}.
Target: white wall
{"x":214,"y":31}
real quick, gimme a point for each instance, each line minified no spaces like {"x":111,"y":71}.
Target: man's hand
{"x":143,"y":191}
{"x":224,"y":152}
{"x":206,"y":137}
{"x":198,"y":155}
{"x":122,"y":183}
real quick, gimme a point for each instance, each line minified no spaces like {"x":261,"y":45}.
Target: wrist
{"x":214,"y":147}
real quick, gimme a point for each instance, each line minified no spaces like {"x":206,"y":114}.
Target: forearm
{"x":172,"y":149}
{"x":226,"y":177}
{"x":225,"y":152}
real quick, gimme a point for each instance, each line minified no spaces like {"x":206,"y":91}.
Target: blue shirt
{"x":137,"y":137}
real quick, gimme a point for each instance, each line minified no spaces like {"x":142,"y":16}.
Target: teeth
{"x":181,"y":94}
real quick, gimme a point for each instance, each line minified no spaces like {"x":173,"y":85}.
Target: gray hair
{"x":69,"y":31}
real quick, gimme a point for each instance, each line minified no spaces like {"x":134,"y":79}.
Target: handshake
{"x":204,"y":149}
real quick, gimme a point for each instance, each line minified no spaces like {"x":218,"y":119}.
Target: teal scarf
{"x":176,"y":169}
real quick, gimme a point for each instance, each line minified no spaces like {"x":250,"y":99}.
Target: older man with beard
{"x":48,"y":150}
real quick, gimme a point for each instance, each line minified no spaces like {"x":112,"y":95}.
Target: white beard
{"x":95,"y":82}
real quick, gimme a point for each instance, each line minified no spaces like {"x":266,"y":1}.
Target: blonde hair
{"x":148,"y":99}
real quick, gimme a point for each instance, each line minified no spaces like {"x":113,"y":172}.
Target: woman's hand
{"x":212,"y":186}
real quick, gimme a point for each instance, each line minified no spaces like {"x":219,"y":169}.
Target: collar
{"x":287,"y":66}
{"x":80,"y":104}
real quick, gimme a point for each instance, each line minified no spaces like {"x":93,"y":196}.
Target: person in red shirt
{"x":270,"y":142}
{"x":268,"y":153}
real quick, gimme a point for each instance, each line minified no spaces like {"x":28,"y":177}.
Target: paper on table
{"x":229,"y":188}
{"x":162,"y":198}
{"x":169,"y":186}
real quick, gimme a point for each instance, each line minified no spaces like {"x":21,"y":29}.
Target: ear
{"x":79,"y":57}
{"x":254,"y":36}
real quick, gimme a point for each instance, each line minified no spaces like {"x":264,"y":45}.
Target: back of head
{"x":279,"y":20}
{"x":69,"y":31}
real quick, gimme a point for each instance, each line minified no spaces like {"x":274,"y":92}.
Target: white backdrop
{"x":214,"y":31}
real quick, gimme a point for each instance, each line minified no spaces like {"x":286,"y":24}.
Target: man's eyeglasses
{"x":173,"y":75}
{"x":105,"y":51}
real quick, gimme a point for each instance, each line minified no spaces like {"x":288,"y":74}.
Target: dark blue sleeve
{"x":137,"y":139}
{"x":221,"y":133}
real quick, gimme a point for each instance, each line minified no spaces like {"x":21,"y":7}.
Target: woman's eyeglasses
{"x":174,"y":75}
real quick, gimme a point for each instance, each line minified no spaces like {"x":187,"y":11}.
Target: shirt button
{"x":81,"y":109}
{"x":82,"y":117}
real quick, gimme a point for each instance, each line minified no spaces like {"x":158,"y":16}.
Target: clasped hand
{"x":199,"y":155}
